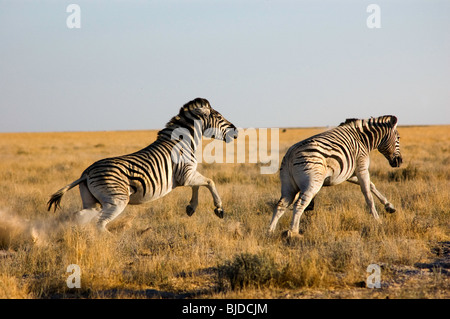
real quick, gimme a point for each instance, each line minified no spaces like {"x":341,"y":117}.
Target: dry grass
{"x":156,"y":250}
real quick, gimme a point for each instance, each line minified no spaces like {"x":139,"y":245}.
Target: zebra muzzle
{"x":231,"y":135}
{"x":396,"y":161}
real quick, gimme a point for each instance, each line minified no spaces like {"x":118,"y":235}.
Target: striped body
{"x":142,"y":176}
{"x":332,"y":157}
{"x":154,"y":171}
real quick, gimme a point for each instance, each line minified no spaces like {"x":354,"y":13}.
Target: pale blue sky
{"x":265,"y":63}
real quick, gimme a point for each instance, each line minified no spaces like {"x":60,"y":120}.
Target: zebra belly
{"x":138,"y":198}
{"x":334,"y":179}
{"x":137,"y":195}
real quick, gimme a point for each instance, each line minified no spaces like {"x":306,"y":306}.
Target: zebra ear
{"x":394,"y":121}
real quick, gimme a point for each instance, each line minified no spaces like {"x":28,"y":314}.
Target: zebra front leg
{"x":199,"y":180}
{"x":190,"y":209}
{"x":387,"y":205}
{"x":364,"y":183}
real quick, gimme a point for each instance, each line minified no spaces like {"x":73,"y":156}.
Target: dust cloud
{"x":16,"y":230}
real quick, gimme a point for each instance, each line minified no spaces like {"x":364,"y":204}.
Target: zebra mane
{"x":390,"y":120}
{"x":198,"y":106}
{"x":349,"y":121}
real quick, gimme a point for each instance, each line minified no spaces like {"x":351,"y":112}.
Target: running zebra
{"x":154,"y":171}
{"x":332,"y":157}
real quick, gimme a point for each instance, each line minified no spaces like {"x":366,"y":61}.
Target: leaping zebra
{"x":332,"y":157}
{"x":154,"y":171}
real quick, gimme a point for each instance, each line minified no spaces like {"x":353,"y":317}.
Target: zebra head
{"x":219,"y":127}
{"x":210,"y":122}
{"x":390,"y":145}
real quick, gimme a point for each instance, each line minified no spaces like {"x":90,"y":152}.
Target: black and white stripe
{"x":154,"y":171}
{"x":332,"y":157}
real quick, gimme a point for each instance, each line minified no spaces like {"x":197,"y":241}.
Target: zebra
{"x":152,"y":172}
{"x":332,"y":157}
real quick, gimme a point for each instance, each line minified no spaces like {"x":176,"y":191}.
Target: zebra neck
{"x":371,"y":135}
{"x":188,"y":138}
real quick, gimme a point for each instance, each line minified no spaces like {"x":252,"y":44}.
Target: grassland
{"x":157,"y":251}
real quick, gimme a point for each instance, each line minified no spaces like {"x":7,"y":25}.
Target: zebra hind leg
{"x":91,"y":207}
{"x":279,"y":210}
{"x":301,"y":205}
{"x":86,"y":215}
{"x":108,"y":213}
{"x":310,"y":187}
{"x":289,"y":193}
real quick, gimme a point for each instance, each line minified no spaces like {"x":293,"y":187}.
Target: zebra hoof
{"x":286,"y":234}
{"x":218,"y":212}
{"x":389,"y":208}
{"x":291,"y":236}
{"x":189,"y":210}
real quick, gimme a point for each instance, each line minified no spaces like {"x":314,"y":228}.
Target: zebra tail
{"x":55,"y":199}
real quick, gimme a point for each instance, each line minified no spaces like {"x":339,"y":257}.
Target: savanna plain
{"x":156,"y":250}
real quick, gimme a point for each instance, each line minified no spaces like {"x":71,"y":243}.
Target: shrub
{"x":260,"y":270}
{"x":248,"y":270}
